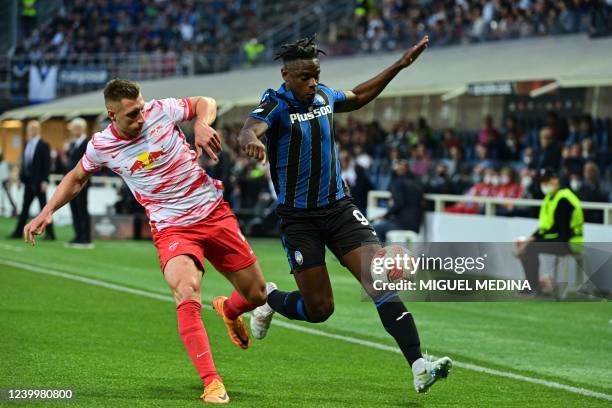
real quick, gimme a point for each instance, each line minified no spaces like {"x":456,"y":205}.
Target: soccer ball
{"x":389,"y":264}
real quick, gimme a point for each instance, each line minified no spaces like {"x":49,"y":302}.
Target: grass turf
{"x":118,"y":349}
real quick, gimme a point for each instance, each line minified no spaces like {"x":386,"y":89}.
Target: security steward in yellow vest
{"x":559,"y":230}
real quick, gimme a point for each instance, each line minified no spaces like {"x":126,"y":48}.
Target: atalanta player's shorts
{"x":305,"y":232}
{"x":216,"y":238}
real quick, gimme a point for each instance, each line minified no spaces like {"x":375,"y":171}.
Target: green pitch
{"x":115,"y":348}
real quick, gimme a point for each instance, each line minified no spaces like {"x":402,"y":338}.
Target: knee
{"x":185,"y":290}
{"x":320,"y":312}
{"x":257,"y":294}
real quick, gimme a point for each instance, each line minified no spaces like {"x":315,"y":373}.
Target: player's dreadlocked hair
{"x":300,"y":49}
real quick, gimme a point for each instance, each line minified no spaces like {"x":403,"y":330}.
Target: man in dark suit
{"x":78,"y":206}
{"x":34,"y":174}
{"x":406,"y":213}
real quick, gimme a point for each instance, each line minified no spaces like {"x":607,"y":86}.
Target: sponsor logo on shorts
{"x":173,"y":246}
{"x":299,"y":258}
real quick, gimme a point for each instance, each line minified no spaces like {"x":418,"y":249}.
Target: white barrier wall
{"x":442,"y":227}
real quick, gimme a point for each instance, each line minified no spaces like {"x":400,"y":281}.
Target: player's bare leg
{"x":250,"y":292}
{"x":184,"y":278}
{"x":313,"y":302}
{"x":316,"y":291}
{"x":397,"y":321}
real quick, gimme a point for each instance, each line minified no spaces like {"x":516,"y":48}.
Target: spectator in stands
{"x":574,"y":134}
{"x":449,"y":140}
{"x":424,"y":134}
{"x":406,"y":212}
{"x":460,"y":171}
{"x":496,"y":147}
{"x":482,"y":155}
{"x":553,"y":123}
{"x":487,"y":129}
{"x":488,"y":187}
{"x":509,"y":187}
{"x":588,"y":149}
{"x":420,"y":161}
{"x":529,"y":160}
{"x":571,"y":159}
{"x":356,"y":177}
{"x":549,"y":154}
{"x":440,"y":182}
{"x":590,"y":190}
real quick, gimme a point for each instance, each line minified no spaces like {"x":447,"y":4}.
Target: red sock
{"x":235,"y":305}
{"x":195,"y":339}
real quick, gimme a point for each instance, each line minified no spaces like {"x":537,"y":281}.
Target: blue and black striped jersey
{"x":301,"y":148}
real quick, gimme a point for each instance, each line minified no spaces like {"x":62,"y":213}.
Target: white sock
{"x":270,"y":287}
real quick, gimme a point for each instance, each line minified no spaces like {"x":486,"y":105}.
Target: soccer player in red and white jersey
{"x":188,"y":216}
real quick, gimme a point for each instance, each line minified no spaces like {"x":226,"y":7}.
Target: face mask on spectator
{"x":575,"y":184}
{"x":527,"y":160}
{"x":476,"y":178}
{"x":504,"y":180}
{"x":526,"y":182}
{"x":546,"y":188}
{"x":487,"y":179}
{"x":495,"y":180}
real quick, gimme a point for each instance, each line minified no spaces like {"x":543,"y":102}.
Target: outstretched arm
{"x":69,"y":188}
{"x":248,"y":138}
{"x":363,"y":93}
{"x":206,"y":137}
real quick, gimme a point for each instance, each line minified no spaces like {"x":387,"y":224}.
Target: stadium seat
{"x":402,"y":236}
{"x":561,"y":274}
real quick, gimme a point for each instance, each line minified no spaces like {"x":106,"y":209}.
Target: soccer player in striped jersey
{"x":314,"y":205}
{"x":188,"y":216}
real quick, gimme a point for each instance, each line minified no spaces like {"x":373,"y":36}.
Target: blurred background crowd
{"x":177,"y":32}
{"x":499,"y":160}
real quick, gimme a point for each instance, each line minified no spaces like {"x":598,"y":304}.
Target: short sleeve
{"x":179,"y":110}
{"x":335,"y":96}
{"x":90,"y":162}
{"x":267,"y":110}
{"x":339,"y":96}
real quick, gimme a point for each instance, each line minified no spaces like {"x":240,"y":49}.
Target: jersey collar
{"x":318,"y":100}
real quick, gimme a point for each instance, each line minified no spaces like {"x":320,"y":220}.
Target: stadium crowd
{"x":499,"y":160}
{"x":179,"y":29}
{"x":175,"y":30}
{"x":496,"y":161}
{"x":396,"y":24}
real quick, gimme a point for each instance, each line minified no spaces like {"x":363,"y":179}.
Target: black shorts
{"x":305,"y":232}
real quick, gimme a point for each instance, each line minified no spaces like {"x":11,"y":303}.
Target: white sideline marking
{"x":316,"y":332}
{"x":11,"y":248}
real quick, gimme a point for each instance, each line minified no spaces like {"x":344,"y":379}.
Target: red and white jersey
{"x":158,"y":166}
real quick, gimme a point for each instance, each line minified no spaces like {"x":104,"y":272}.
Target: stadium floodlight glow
{"x":544,"y":89}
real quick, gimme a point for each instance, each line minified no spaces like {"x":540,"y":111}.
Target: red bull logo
{"x":145,"y":161}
